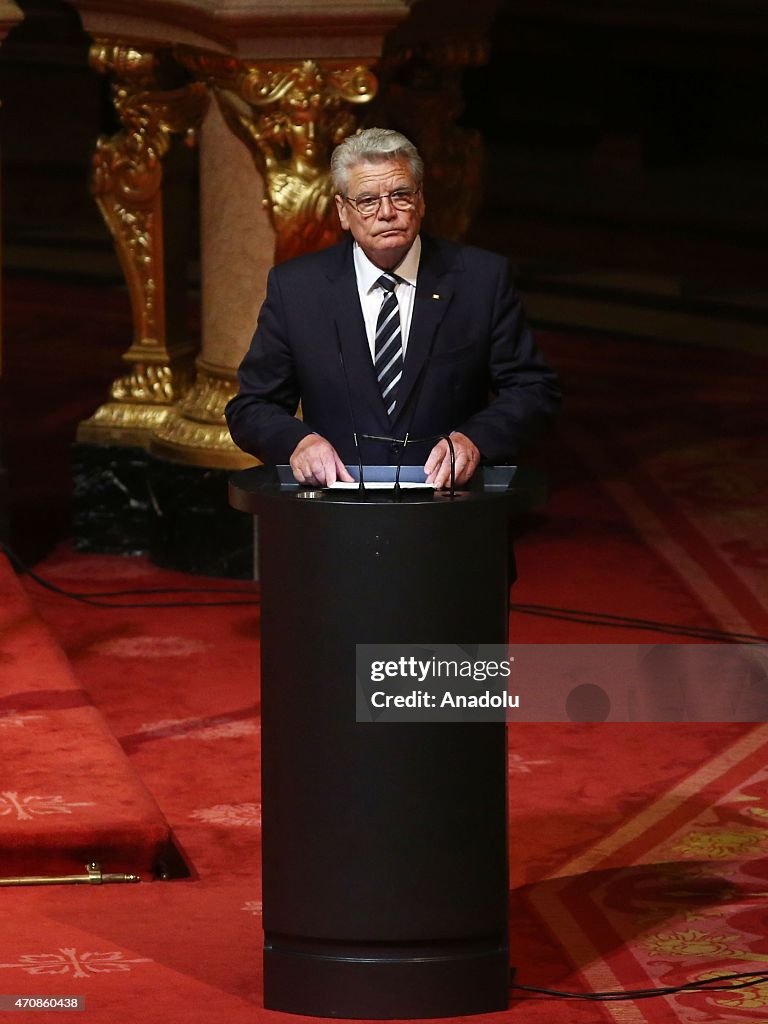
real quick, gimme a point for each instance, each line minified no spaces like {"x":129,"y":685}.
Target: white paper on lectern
{"x":376,"y":485}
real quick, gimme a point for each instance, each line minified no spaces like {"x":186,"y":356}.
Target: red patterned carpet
{"x":70,"y":795}
{"x":637,"y":850}
{"x":676,"y":436}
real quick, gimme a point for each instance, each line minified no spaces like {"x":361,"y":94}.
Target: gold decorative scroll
{"x":196,"y":433}
{"x":123,"y":423}
{"x":290,"y":115}
{"x":154,"y":103}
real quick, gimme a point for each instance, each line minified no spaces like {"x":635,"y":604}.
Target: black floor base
{"x":386,"y":982}
{"x":111,"y":510}
{"x":128,"y":502}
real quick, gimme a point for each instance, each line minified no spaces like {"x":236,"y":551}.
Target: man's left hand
{"x":438,"y":465}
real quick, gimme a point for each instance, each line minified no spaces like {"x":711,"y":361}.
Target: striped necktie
{"x":388,"y":349}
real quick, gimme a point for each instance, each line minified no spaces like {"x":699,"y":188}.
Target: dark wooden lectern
{"x":384,"y":845}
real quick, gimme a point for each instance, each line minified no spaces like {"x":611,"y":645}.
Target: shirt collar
{"x":407,"y":270}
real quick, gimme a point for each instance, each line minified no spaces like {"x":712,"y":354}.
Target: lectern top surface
{"x":251,"y":486}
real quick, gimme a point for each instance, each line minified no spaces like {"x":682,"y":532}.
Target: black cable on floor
{"x":735,"y":981}
{"x":94,"y":598}
{"x":607,"y":619}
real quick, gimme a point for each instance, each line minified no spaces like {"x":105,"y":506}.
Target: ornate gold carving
{"x":127,"y":184}
{"x":123,"y":423}
{"x":213,"y":388}
{"x":148,"y":383}
{"x":195,"y":432}
{"x":290,"y":116}
{"x":198,"y":444}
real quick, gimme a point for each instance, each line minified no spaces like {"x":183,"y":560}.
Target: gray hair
{"x":375,"y":146}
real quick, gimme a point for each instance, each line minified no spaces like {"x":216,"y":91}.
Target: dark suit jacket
{"x":467,"y":339}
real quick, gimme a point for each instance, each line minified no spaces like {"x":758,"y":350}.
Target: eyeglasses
{"x":402,"y":199}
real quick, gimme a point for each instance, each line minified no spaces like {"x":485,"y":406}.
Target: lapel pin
{"x":435,"y":296}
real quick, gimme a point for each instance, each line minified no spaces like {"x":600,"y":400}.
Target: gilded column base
{"x":128,"y":424}
{"x":195,"y":433}
{"x":140,"y":403}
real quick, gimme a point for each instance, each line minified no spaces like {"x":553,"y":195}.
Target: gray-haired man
{"x":387,"y":335}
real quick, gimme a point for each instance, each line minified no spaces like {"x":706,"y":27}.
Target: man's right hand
{"x":315,"y":461}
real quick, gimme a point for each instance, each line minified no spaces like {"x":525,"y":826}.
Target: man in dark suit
{"x":389,"y":336}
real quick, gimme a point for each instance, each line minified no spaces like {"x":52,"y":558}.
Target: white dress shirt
{"x":371,"y":297}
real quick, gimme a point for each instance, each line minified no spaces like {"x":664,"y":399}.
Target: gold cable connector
{"x":95,"y":876}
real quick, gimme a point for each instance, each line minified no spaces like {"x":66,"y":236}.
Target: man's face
{"x":386,"y":235}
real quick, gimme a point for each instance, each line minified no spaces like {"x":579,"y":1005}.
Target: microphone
{"x":452,"y":451}
{"x":396,"y":493}
{"x":348,"y":393}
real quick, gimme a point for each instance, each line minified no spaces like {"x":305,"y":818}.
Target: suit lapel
{"x":344,"y":303}
{"x":433,"y":296}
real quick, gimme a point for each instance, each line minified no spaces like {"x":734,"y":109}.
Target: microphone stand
{"x":396,"y":491}
{"x":452,"y":492}
{"x":348,"y":392}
